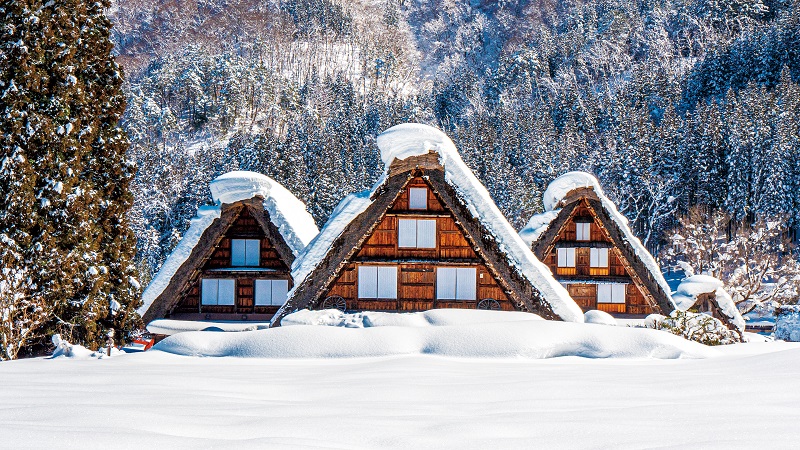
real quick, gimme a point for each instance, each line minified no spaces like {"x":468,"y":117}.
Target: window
{"x":217,"y":292}
{"x":271,"y":292}
{"x":416,"y":233}
{"x":377,"y":282}
{"x":245,"y":252}
{"x":456,"y":283}
{"x":583,"y":231}
{"x":598,"y":261}
{"x":566,"y":262}
{"x":417,"y":198}
{"x":611,"y":293}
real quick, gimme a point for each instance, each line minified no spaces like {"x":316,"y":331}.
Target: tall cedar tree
{"x":65,"y":196}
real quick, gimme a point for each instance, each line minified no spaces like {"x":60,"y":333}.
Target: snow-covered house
{"x":427,"y":235}
{"x":233,"y":263}
{"x":589,"y":247}
{"x":705,"y":294}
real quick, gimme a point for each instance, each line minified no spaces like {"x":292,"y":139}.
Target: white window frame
{"x":245,"y":252}
{"x":377,"y":282}
{"x":416,"y":233}
{"x":270,"y":292}
{"x":211,"y":290}
{"x":598,"y":258}
{"x":418,"y":198}
{"x":583,"y":231}
{"x":611,"y":293}
{"x":566,"y":257}
{"x":464,"y":284}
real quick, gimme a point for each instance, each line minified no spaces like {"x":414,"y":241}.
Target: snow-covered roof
{"x":287,"y":213}
{"x":691,"y":287}
{"x":560,"y":188}
{"x":407,"y":140}
{"x":536,"y":226}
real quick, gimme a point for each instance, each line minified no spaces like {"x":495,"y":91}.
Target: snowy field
{"x":738,"y":396}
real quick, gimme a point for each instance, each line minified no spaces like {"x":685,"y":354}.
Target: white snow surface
{"x":686,"y":294}
{"x":170,"y":327}
{"x":433,"y":317}
{"x":287,"y":213}
{"x":558,"y":190}
{"x":157,"y":400}
{"x":205,"y":216}
{"x":452,"y":333}
{"x":536,"y":226}
{"x":413,"y":139}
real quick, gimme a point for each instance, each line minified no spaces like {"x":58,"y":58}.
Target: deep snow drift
{"x":454,"y":333}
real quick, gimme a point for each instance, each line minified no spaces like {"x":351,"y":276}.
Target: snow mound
{"x":434,"y":317}
{"x":413,"y":139}
{"x":64,"y":349}
{"x":496,"y":336}
{"x":559,"y":188}
{"x":787,"y":323}
{"x":536,"y":226}
{"x":599,"y":317}
{"x":170,"y":327}
{"x":686,"y":296}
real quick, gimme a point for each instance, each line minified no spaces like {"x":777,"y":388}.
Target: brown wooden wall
{"x":244,"y":227}
{"x":416,"y":284}
{"x":580,"y":285}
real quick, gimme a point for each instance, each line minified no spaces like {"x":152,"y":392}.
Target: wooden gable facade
{"x":239,"y":270}
{"x":587,"y":253}
{"x":415,"y":248}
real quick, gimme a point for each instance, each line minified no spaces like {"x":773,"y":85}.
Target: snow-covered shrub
{"x":599,"y":317}
{"x":696,"y":327}
{"x":787,"y":323}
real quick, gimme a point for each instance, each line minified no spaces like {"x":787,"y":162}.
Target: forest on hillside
{"x":671,"y":103}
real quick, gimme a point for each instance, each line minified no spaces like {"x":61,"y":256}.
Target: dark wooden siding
{"x":244,"y":227}
{"x":581,"y":286}
{"x":416,"y":283}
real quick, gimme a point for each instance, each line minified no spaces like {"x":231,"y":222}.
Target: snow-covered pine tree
{"x":66,"y":206}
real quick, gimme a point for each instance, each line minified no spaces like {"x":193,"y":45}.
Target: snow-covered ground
{"x":738,"y":396}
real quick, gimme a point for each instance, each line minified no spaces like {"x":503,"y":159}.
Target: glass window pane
{"x":407,"y":233}
{"x":227,"y":292}
{"x":582,"y":231}
{"x":367,"y":282}
{"x":279,"y":290}
{"x":252,"y":252}
{"x":208,"y":292}
{"x":618,"y":293}
{"x":446,"y":283}
{"x":263,"y":292}
{"x":562,"y":257}
{"x":604,"y":293}
{"x":465,"y":283}
{"x":387,"y":282}
{"x":238,"y":252}
{"x":418,"y":198}
{"x":570,"y":257}
{"x":603,"y":252}
{"x":426,"y":233}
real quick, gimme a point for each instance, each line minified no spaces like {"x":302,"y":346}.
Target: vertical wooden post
{"x":110,"y":341}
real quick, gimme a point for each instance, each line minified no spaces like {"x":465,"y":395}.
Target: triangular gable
{"x":340,"y":251}
{"x":203,"y":248}
{"x":634,"y":266}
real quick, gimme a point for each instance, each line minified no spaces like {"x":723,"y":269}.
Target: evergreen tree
{"x":65,"y":208}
